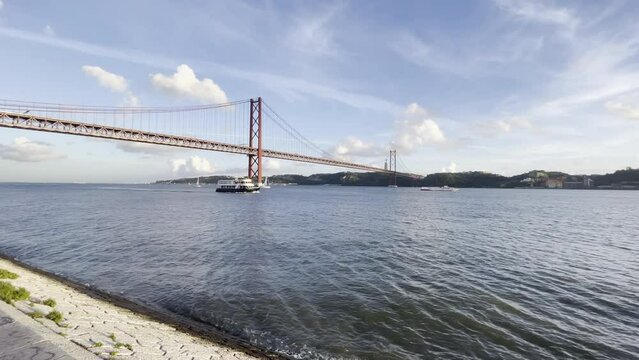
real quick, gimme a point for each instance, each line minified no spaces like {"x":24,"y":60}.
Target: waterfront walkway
{"x":94,"y":328}
{"x":21,"y":338}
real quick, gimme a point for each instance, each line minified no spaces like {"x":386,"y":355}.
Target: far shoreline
{"x":284,"y":185}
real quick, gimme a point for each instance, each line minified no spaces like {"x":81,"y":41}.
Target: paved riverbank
{"x":92,"y":327}
{"x":22,"y":338}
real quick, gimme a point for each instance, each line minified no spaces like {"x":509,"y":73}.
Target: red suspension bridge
{"x":248,"y":127}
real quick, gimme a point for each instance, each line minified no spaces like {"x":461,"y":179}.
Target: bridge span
{"x":77,"y":120}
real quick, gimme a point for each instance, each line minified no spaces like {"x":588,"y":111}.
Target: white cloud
{"x":144,"y":148}
{"x":114,"y":82}
{"x":48,"y":31}
{"x":417,"y":51}
{"x":26,"y":150}
{"x":496,"y":55}
{"x":539,"y":12}
{"x":450,"y":168}
{"x":280,"y":84}
{"x":625,"y":110}
{"x":352,"y":146}
{"x":609,"y":60}
{"x":504,"y":126}
{"x":131,"y":100}
{"x":313,"y":35}
{"x":111,"y":81}
{"x":194,"y":166}
{"x":1,"y":4}
{"x":272,"y":164}
{"x":415,"y":129}
{"x":184,"y":83}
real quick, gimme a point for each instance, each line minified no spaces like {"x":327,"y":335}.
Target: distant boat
{"x":266,"y":184}
{"x":244,"y":185}
{"x":197,"y":184}
{"x":443,"y":188}
{"x":392,"y":186}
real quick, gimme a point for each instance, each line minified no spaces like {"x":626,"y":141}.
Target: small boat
{"x":197,"y":184}
{"x":392,"y":186}
{"x":244,"y":185}
{"x":442,"y":188}
{"x":266,"y":184}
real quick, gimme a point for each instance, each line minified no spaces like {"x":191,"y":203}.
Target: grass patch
{"x":55,"y":316}
{"x":112,"y":336}
{"x":36,"y":314}
{"x":50,"y":302}
{"x":6,"y":274}
{"x":123,"y":345}
{"x":9,"y":293}
{"x":97,"y":344}
{"x":22,"y":294}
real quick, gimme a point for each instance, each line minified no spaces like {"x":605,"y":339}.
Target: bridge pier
{"x":392,"y":162}
{"x":255,"y":139}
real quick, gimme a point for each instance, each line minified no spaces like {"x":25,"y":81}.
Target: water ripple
{"x":348,"y":273}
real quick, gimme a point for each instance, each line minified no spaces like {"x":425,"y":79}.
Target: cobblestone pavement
{"x":102,"y":329}
{"x":19,"y":341}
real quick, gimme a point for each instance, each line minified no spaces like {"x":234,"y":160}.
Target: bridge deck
{"x":43,"y":123}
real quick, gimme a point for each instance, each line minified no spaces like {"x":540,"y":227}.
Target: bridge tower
{"x":392,"y":166}
{"x":255,"y":139}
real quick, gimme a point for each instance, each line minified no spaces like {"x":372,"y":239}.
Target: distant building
{"x":623,"y":185}
{"x":554,"y":183}
{"x":573,"y":184}
{"x":588,"y":183}
{"x":585,"y":183}
{"x":528,"y":181}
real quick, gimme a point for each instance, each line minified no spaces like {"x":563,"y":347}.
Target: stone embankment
{"x":58,"y":319}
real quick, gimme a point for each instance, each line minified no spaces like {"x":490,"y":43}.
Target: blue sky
{"x":503,"y":86}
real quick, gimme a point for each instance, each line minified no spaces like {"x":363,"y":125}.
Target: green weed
{"x":119,"y":345}
{"x":6,"y":274}
{"x":55,"y":316}
{"x":36,"y":314}
{"x":9,"y":293}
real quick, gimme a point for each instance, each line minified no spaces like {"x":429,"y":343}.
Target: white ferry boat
{"x":443,"y":188}
{"x":244,"y":185}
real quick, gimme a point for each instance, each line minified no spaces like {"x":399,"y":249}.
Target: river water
{"x":358,"y":273}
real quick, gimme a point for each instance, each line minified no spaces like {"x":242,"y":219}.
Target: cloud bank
{"x":194,"y":166}
{"x":416,"y":129}
{"x":504,"y":126}
{"x":353,"y":146}
{"x":625,"y":110}
{"x":450,"y":168}
{"x":272,"y":164}
{"x":114,"y":82}
{"x":184,"y":84}
{"x":538,"y":12}
{"x":144,"y":148}
{"x":25,"y":150}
